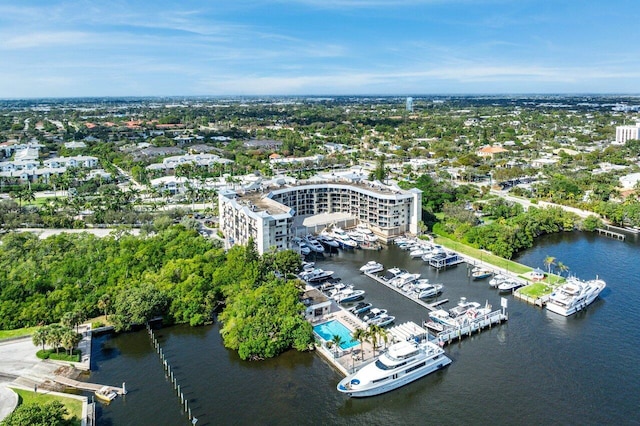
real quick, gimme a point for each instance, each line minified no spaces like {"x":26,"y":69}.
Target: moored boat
{"x":360,"y":308}
{"x":479,"y":273}
{"x":574,"y":296}
{"x":402,"y":363}
{"x":371,"y":267}
{"x":105,"y":394}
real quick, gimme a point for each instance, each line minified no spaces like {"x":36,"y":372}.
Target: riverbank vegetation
{"x":175,"y":274}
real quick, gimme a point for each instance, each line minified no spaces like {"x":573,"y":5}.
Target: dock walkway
{"x":470,"y":327}
{"x":86,"y":385}
{"x":429,"y":306}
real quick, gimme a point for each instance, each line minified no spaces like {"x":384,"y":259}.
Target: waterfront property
{"x":327,"y":330}
{"x":267,"y":214}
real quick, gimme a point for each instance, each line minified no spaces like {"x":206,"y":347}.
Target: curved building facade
{"x":268,"y":217}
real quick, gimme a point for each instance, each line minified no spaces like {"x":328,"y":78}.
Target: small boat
{"x":315,"y":275}
{"x":419,"y":252}
{"x":434,"y":326}
{"x":479,"y":273}
{"x":327,"y":241}
{"x":373,"y":314}
{"x":497,"y":280}
{"x":371,"y":267}
{"x":430,"y":290}
{"x":313,"y":244}
{"x":304,"y":249}
{"x":348,"y":294}
{"x":105,"y":394}
{"x":360,"y":308}
{"x":382,"y":321}
{"x":509,"y":285}
{"x":392,"y":273}
{"x":462,"y":307}
{"x":404,"y":279}
{"x":356,"y":236}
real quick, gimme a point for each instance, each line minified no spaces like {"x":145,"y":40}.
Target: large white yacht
{"x":403,"y":363}
{"x":574,"y":296}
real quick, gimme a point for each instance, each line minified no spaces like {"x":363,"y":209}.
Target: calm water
{"x":538,"y":368}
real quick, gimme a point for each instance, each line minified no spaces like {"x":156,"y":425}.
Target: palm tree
{"x":54,"y":335}
{"x":104,"y":303}
{"x":360,"y":334}
{"x":336,"y":340}
{"x":548,"y":262}
{"x":69,"y":339}
{"x":39,"y":337}
{"x":562,"y":268}
{"x":373,"y":332}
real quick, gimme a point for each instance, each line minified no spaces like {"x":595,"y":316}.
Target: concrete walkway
{"x":8,"y":401}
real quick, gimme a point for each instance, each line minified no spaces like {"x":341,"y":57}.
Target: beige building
{"x":268,"y":216}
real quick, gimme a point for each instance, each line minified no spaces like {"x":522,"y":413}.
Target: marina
{"x":555,"y":350}
{"x":416,"y":299}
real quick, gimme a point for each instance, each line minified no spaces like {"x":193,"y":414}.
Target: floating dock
{"x":430,"y":306}
{"x":469,"y":327}
{"x":87,"y":386}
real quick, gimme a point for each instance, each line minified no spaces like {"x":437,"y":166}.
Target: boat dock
{"x":469,"y":327}
{"x":606,"y":232}
{"x":430,"y":306}
{"x":87,"y":386}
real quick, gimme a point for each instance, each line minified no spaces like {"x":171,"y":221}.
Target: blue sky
{"x":317,"y":47}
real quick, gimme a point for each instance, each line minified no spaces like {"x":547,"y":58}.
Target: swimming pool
{"x":327,"y":330}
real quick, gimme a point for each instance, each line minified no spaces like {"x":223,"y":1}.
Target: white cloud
{"x":43,"y":39}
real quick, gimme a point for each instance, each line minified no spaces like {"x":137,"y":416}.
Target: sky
{"x":75,"y":48}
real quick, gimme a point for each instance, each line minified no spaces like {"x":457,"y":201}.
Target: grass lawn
{"x":492,"y":259}
{"x":18,"y":332}
{"x":73,"y":406}
{"x":536,"y":290}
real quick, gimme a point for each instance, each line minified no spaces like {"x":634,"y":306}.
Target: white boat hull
{"x":390,"y":385}
{"x":576,"y":306}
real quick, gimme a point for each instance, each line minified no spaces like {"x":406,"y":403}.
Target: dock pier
{"x":468,"y":328}
{"x":611,"y":234}
{"x":430,"y":306}
{"x":87,"y":386}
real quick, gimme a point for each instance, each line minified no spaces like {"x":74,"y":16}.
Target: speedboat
{"x":360,"y":308}
{"x":509,"y":285}
{"x":105,"y":394}
{"x":462,"y":307}
{"x":419,"y":252}
{"x":304,"y":249}
{"x":574,"y":296}
{"x":443,"y":317}
{"x":429,"y":290}
{"x":356,"y":236}
{"x":315,"y":275}
{"x":327,"y":241}
{"x":313,"y":244}
{"x":479,"y":273}
{"x":404,"y":279}
{"x":371,"y":267}
{"x":392,"y":273}
{"x":348,"y":294}
{"x":497,"y":280}
{"x":373,"y":314}
{"x":382,"y":321}
{"x":402,"y":363}
{"x":342,"y":238}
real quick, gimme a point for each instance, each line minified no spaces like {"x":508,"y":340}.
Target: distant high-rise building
{"x":625,"y":133}
{"x":410,"y":104}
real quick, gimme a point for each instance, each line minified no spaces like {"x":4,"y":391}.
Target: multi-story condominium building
{"x":268,"y":216}
{"x":625,"y":133}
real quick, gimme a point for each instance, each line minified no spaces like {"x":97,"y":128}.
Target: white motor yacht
{"x":574,"y":296}
{"x":313,"y":244}
{"x":371,"y":267}
{"x":462,"y":307}
{"x":402,"y":363}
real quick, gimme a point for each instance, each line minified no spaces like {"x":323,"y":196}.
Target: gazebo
{"x":537,"y":274}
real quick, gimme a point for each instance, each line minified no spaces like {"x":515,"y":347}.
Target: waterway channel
{"x":537,"y":368}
